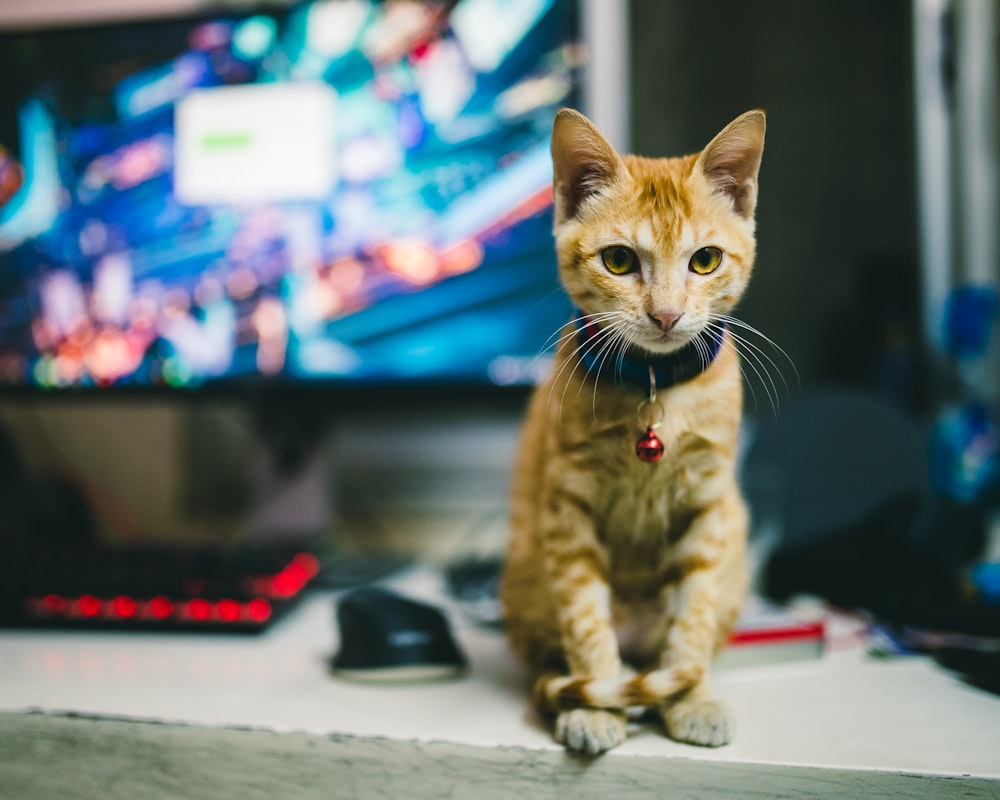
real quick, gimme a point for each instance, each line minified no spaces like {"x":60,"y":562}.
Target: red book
{"x":772,"y":634}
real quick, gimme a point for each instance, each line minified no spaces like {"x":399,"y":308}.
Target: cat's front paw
{"x":590,"y":730}
{"x":704,"y":722}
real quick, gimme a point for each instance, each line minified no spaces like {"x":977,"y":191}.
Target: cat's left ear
{"x":583,"y":162}
{"x":732,"y":159}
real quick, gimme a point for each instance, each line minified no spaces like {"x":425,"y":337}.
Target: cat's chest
{"x":639,"y":527}
{"x":642,"y":509}
{"x":647,"y":507}
{"x":638,"y":511}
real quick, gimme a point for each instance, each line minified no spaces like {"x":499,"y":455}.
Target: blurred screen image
{"x":340,"y":191}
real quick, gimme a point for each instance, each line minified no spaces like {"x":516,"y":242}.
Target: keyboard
{"x":241,"y":589}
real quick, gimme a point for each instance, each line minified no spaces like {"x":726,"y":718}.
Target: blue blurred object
{"x":969,"y":317}
{"x":986,"y":582}
{"x":965,"y":452}
{"x":965,"y":439}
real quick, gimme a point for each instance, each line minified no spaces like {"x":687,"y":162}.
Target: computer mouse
{"x":387,"y":637}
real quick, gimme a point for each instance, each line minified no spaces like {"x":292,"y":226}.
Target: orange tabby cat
{"x":628,"y":538}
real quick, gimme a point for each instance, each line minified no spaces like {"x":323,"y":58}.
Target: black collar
{"x":674,"y":368}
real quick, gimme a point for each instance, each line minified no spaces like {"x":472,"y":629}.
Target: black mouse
{"x":387,"y":637}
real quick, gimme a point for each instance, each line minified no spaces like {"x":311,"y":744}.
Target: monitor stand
{"x":427,"y":483}
{"x":293,"y":505}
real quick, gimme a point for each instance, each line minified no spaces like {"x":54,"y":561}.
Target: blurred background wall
{"x":836,"y":218}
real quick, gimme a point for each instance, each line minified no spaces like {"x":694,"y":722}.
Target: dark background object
{"x":45,"y":508}
{"x":830,"y":458}
{"x":874,"y":564}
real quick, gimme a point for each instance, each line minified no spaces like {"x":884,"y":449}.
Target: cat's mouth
{"x":631,"y":338}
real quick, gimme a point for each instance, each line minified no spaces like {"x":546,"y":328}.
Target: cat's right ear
{"x":583,"y":162}
{"x":732,"y":159}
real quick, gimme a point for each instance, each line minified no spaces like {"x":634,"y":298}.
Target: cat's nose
{"x":666,"y":320}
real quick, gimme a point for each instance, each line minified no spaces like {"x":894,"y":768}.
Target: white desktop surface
{"x":845,"y":710}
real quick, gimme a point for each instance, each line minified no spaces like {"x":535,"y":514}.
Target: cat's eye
{"x":620,"y":260}
{"x":706,"y":260}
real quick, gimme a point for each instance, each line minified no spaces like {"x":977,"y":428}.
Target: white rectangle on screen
{"x":255,"y":144}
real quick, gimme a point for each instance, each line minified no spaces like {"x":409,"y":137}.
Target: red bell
{"x":649,"y":448}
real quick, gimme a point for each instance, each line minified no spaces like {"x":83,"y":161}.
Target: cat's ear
{"x":732,"y":159}
{"x":583,"y":162}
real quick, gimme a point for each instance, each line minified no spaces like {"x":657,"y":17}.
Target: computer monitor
{"x":339,"y":193}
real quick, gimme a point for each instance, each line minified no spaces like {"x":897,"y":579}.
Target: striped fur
{"x":614,"y":564}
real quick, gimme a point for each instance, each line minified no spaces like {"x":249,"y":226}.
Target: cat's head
{"x":664,"y":245}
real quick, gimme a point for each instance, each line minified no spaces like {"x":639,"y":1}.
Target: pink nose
{"x":666,"y":320}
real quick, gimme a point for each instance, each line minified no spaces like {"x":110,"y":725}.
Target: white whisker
{"x":604,"y":344}
{"x":704,"y":352}
{"x":577,"y":355}
{"x":619,"y":341}
{"x":734,"y":321}
{"x":754,"y":355}
{"x":571,"y":334}
{"x":763,"y":355}
{"x":759,"y":368}
{"x":719,"y":334}
{"x":604,"y":338}
{"x":558,"y":337}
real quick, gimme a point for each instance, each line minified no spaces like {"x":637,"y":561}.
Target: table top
{"x":845,"y":710}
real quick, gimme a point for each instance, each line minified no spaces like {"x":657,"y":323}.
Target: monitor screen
{"x":334,"y":192}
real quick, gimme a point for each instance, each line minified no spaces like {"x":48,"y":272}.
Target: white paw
{"x":708,"y":723}
{"x":590,"y":730}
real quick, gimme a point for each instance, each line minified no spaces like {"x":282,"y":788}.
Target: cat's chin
{"x":665,"y":344}
{"x":661,"y":347}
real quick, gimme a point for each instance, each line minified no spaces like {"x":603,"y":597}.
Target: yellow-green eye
{"x":620,"y":260}
{"x":705,"y":260}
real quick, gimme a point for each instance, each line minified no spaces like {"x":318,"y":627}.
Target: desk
{"x":161,"y":715}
